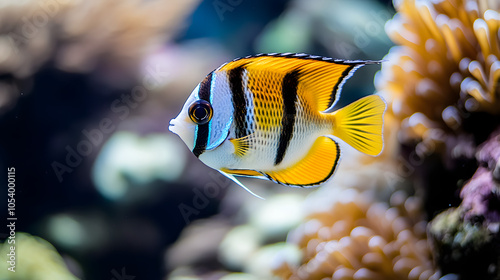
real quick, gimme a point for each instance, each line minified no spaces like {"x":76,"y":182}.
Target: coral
{"x":127,"y":161}
{"x":448,"y":56}
{"x":466,"y":238}
{"x":355,"y":237}
{"x":34,"y":33}
{"x":207,"y":249}
{"x":481,"y":197}
{"x":192,"y":248}
{"x":35,"y":259}
{"x":443,"y":85}
{"x":463,"y":247}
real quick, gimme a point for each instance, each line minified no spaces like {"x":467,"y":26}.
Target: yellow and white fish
{"x":266,"y":116}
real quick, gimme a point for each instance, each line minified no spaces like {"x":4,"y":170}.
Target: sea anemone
{"x":444,"y":72}
{"x":352,"y":236}
{"x":442,"y":82}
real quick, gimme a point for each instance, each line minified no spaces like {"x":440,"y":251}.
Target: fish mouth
{"x":171,"y":125}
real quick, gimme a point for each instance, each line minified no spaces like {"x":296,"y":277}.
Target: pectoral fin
{"x":315,"y":168}
{"x":241,"y":145}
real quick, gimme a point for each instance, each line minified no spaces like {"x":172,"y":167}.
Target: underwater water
{"x":96,"y":187}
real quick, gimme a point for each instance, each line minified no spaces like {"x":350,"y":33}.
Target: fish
{"x":269,"y":116}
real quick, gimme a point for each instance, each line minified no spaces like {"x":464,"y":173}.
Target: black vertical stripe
{"x":289,"y":93}
{"x":201,"y":140}
{"x":203,"y":130}
{"x":239,"y":101}
{"x":205,"y":85}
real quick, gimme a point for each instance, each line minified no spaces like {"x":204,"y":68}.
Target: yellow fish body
{"x":264,"y":116}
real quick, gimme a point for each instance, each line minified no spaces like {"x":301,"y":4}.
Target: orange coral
{"x":357,"y":238}
{"x":445,"y":67}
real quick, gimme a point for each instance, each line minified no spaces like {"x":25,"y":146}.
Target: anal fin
{"x":242,"y":172}
{"x":315,"y":168}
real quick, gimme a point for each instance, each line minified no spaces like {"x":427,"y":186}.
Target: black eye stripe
{"x":201,"y":138}
{"x":205,"y":85}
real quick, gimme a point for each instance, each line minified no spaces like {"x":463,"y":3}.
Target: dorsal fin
{"x":321,"y":78}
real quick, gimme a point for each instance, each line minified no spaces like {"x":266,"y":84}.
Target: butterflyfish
{"x":268,"y":116}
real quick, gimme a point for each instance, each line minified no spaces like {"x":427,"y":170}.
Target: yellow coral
{"x":35,"y":259}
{"x":354,"y":237}
{"x":445,"y":67}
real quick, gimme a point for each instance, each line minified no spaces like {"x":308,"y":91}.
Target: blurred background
{"x":105,"y":191}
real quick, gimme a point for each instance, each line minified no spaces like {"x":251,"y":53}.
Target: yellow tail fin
{"x":360,"y":124}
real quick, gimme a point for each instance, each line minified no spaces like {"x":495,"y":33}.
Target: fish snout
{"x":171,"y":125}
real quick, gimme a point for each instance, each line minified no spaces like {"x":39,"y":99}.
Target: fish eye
{"x":200,"y":112}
